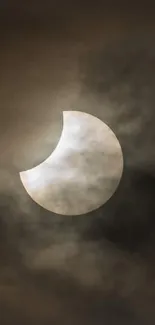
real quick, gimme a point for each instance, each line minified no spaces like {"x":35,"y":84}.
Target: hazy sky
{"x":99,"y":268}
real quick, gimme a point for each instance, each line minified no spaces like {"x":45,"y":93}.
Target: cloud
{"x":92,"y":269}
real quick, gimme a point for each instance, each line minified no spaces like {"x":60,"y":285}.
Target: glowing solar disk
{"x":84,"y":170}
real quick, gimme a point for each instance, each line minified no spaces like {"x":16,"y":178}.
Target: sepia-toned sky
{"x":98,"y":58}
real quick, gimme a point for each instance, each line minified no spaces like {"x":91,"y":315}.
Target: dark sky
{"x":99,"y":58}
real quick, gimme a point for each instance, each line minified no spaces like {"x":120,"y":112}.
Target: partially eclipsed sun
{"x":84,"y":170}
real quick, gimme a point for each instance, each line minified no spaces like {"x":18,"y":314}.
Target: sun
{"x":83,"y":171}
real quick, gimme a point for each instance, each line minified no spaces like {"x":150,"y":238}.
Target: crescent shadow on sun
{"x":82,"y":172}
